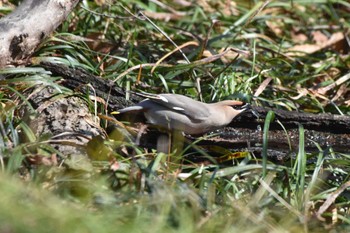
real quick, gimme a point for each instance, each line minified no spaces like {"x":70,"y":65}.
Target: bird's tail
{"x":128,"y":109}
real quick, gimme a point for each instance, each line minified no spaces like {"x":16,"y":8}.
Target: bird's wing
{"x":130,"y":109}
{"x":193,"y":109}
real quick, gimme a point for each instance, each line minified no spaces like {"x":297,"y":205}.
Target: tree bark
{"x":23,"y":30}
{"x":66,"y":122}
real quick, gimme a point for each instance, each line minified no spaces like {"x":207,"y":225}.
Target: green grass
{"x":143,"y":195}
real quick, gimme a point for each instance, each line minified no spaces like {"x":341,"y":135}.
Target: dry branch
{"x":23,"y":30}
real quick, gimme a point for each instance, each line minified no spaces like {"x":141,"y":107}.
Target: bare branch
{"x":22,"y":30}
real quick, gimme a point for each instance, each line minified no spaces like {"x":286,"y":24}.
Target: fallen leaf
{"x":164,"y":16}
{"x":301,"y":50}
{"x":302,"y":92}
{"x":338,"y":82}
{"x":262,"y":86}
{"x":228,"y":54}
{"x":227,"y":8}
{"x":331,"y":199}
{"x":183,"y":3}
{"x":319,"y":37}
{"x":347,"y":103}
{"x":298,"y":37}
{"x":114,"y":165}
{"x":340,"y":93}
{"x":100,"y":2}
{"x":276,"y":26}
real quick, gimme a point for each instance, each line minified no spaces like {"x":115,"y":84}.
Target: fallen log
{"x":245,"y":132}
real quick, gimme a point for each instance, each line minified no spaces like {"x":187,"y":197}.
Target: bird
{"x":181,"y":113}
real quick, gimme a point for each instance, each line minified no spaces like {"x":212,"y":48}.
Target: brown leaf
{"x":347,"y":103}
{"x":228,"y":54}
{"x":100,"y":2}
{"x":114,"y":165}
{"x":227,"y":8}
{"x":338,"y":82}
{"x":331,"y":199}
{"x":164,"y":15}
{"x":276,"y":26}
{"x":319,"y":37}
{"x":301,"y":50}
{"x":341,"y":92}
{"x":298,"y":37}
{"x":262,"y":86}
{"x":183,"y":3}
{"x":43,"y":160}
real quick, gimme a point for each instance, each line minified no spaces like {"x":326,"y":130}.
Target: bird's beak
{"x":244,"y":107}
{"x":247,"y":107}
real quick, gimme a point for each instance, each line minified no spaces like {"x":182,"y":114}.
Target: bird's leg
{"x":163,"y":143}
{"x":171,"y":143}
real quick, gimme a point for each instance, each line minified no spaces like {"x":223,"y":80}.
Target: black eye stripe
{"x":243,"y":106}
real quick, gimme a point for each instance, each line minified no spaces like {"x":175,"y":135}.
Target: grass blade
{"x":270,"y":117}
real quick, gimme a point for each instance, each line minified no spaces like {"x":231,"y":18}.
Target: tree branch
{"x":23,"y":30}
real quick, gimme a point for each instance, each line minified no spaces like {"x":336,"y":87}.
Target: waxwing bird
{"x":178,"y":112}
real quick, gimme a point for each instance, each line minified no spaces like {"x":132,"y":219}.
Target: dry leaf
{"x":298,"y":37}
{"x":262,"y":86}
{"x":338,"y":82}
{"x":230,"y":8}
{"x":164,"y":15}
{"x":302,"y":92}
{"x":100,"y":2}
{"x":301,"y":50}
{"x":319,"y":37}
{"x":276,"y":26}
{"x":331,"y":199}
{"x":183,"y":3}
{"x":227,"y":8}
{"x":114,"y":165}
{"x":340,"y":93}
{"x":43,"y":160}
{"x":228,"y":55}
{"x":347,"y":103}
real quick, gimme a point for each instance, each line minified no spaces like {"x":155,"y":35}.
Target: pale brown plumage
{"x":178,"y":112}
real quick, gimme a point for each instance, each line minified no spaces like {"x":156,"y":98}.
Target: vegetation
{"x":290,"y":55}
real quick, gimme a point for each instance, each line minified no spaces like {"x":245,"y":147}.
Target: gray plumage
{"x":178,"y":112}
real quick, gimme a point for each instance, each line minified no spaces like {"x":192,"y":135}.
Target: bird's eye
{"x":241,"y":107}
